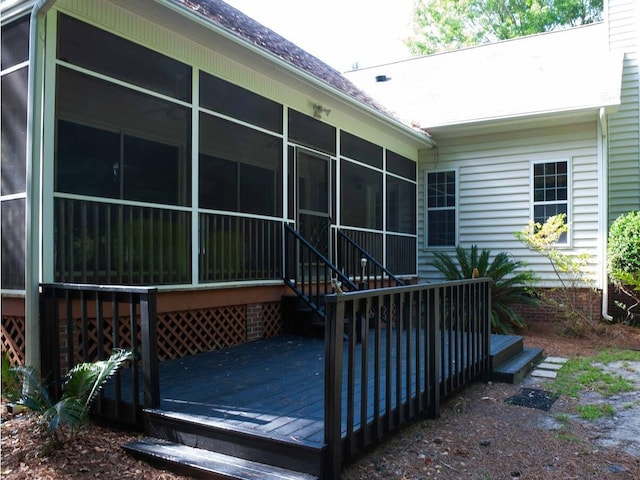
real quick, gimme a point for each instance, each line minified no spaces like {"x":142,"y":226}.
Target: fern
{"x":63,"y":419}
{"x":511,"y":285}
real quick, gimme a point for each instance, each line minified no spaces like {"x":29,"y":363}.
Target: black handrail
{"x":308,"y":272}
{"x":415,"y":345}
{"x":84,"y":323}
{"x":352,"y":262}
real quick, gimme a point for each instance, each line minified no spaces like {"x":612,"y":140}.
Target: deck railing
{"x":308,"y":272}
{"x":357,"y":263}
{"x":84,"y":323}
{"x":402,"y":349}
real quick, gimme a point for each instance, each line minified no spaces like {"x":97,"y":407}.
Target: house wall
{"x":494,"y":190}
{"x":623,"y":17}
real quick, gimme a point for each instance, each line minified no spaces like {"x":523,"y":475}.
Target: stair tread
{"x":205,"y":461}
{"x":516,"y":362}
{"x":500,"y":343}
{"x":204,"y":422}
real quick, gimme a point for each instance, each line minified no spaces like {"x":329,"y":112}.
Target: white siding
{"x":623,"y":18}
{"x":494,"y":189}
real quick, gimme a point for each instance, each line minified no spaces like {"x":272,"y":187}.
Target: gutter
{"x":297,"y":72}
{"x":33,"y":184}
{"x":604,"y":209}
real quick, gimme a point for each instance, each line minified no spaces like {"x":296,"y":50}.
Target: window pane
{"x":542,"y":212}
{"x":15,"y":43}
{"x":154,"y":134}
{"x":151,"y":171}
{"x":14,"y":131}
{"x":13,"y":244}
{"x":441,"y":190}
{"x":234,"y":101}
{"x":88,"y":161}
{"x":259,"y":159}
{"x":218,"y":183}
{"x":401,"y":165}
{"x":361,"y":196}
{"x":358,"y":149}
{"x":441,"y":228}
{"x":401,"y":206}
{"x":78,"y":43}
{"x":257,"y":189}
{"x":312,"y":133}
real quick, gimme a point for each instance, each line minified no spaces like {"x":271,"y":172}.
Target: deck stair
{"x":510,"y":360}
{"x":200,"y":447}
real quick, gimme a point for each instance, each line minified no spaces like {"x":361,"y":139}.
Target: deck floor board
{"x":274,"y":386}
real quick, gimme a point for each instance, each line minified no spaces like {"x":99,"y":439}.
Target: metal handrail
{"x":371,"y":260}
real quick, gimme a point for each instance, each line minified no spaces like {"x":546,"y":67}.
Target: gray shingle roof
{"x":250,"y":30}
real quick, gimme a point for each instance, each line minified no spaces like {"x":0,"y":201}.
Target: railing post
{"x":333,"y":342}
{"x":149,"y":334}
{"x":50,"y":340}
{"x":486,"y":326}
{"x":434,"y":354}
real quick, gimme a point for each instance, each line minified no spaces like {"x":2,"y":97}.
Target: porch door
{"x":313,"y":219}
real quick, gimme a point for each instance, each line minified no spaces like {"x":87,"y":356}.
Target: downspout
{"x":603,"y":220}
{"x":33,"y":200}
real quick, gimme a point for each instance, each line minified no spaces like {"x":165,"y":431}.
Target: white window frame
{"x":533,"y":203}
{"x":456,"y":209}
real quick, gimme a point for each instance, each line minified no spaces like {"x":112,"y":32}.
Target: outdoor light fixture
{"x":318,"y":110}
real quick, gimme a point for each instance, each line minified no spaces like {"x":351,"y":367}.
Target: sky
{"x":339,"y":32}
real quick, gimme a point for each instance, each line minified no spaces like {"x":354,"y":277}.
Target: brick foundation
{"x":255,"y":330}
{"x":588,"y":301}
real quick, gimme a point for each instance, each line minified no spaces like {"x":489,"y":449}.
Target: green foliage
{"x":510,"y":286}
{"x":11,"y":387}
{"x":624,"y":244}
{"x":62,"y":420}
{"x":594,"y":412}
{"x":623,"y":253}
{"x":450,"y":24}
{"x":570,"y":270}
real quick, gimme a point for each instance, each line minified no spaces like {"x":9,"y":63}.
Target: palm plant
{"x":510,"y":286}
{"x":63,"y":419}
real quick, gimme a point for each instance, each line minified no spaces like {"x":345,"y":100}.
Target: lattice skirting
{"x":13,"y":339}
{"x":272,"y":319}
{"x":194,"y":331}
{"x":179,"y":333}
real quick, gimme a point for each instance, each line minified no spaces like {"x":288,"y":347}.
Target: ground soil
{"x":478,"y":436}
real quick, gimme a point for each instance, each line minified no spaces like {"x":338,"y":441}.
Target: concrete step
{"x":516,"y":368}
{"x":199,"y":463}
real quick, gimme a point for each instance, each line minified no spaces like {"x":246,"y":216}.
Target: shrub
{"x":510,"y":287}
{"x":571,"y":271}
{"x":623,"y":255}
{"x":63,"y":419}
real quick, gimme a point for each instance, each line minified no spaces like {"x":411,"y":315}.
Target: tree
{"x":450,"y":24}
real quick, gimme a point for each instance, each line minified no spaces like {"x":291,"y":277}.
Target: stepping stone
{"x":555,"y":360}
{"x":549,"y":366}
{"x":544,"y":373}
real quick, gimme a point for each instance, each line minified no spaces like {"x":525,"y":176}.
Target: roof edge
{"x":417,"y":135}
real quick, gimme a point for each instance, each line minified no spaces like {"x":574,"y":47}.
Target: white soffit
{"x":565,"y":71}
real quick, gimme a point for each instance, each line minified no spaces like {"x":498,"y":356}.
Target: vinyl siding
{"x":494,"y":190}
{"x":624,"y":125}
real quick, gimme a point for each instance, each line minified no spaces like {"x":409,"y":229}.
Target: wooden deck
{"x":274,"y":387}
